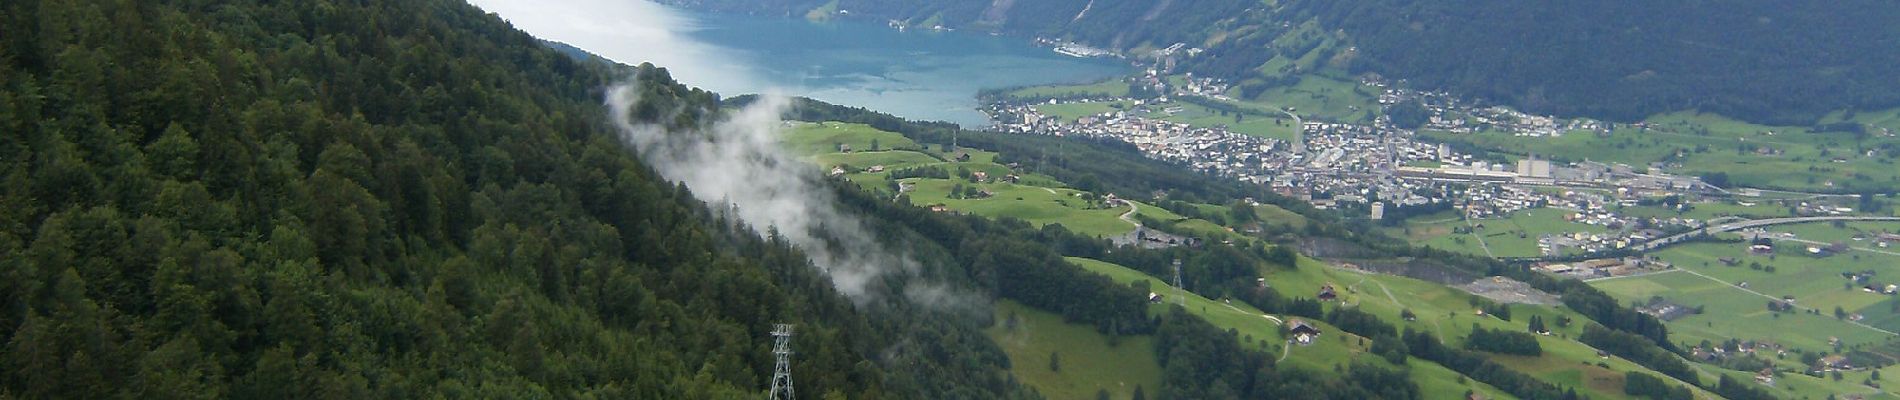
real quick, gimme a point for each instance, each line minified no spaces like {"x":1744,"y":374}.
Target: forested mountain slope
{"x":1762,"y":61}
{"x":391,"y":199}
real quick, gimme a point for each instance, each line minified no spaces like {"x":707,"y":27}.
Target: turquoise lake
{"x":924,"y":75}
{"x":917,"y":74}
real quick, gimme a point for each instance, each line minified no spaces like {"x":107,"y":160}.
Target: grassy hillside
{"x":1037,"y":199}
{"x":1514,"y":235}
{"x":1087,"y":361}
{"x":1442,"y":311}
{"x":1734,"y":299}
{"x":1334,"y":349}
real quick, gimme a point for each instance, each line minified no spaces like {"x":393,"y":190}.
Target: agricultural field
{"x":1846,"y":232}
{"x":1704,"y":143}
{"x":1888,"y":119}
{"x":1731,"y":312}
{"x":819,"y":138}
{"x":1070,"y":112}
{"x":1273,"y":214}
{"x":1088,"y":361}
{"x":1316,"y":97}
{"x":1515,"y":235}
{"x":1815,"y":283}
{"x":1035,"y":204}
{"x":1035,"y":198}
{"x":1266,"y":125}
{"x":1108,"y":88}
{"x":1333,"y":348}
{"x":858,"y":161}
{"x":1449,"y":313}
{"x":1324,"y":98}
{"x":1799,"y":386}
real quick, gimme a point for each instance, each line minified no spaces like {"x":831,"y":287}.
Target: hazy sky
{"x":631,"y":32}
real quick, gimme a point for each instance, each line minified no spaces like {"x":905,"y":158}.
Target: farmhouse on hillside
{"x":1301,"y":331}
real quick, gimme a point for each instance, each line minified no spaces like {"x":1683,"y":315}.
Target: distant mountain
{"x":1765,"y":61}
{"x":1757,"y":60}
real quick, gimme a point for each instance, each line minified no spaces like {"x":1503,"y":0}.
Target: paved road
{"x":1817,"y":242}
{"x":1733,"y":226}
{"x":1474,"y":232}
{"x":1299,"y":130}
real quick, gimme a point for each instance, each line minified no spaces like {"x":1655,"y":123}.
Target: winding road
{"x":1129,"y":216}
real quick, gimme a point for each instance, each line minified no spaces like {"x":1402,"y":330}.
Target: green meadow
{"x":1705,"y":143}
{"x":1514,"y":235}
{"x":1333,"y":349}
{"x":1108,"y":88}
{"x":1087,"y":361}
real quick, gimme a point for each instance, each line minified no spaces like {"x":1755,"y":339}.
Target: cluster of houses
{"x":1450,"y":114}
{"x":1715,"y":352}
{"x":1144,"y":124}
{"x":1831,"y":363}
{"x":1666,"y":310}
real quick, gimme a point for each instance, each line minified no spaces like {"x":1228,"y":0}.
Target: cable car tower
{"x":782,"y":373}
{"x":1180,"y":295}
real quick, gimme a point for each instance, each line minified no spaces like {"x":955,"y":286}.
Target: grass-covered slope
{"x":1072,"y":361}
{"x":1440,"y":311}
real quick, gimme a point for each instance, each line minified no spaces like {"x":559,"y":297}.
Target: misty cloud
{"x":739,"y":161}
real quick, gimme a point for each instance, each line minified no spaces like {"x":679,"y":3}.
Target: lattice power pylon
{"x":782,"y":374}
{"x":1180,"y":291}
